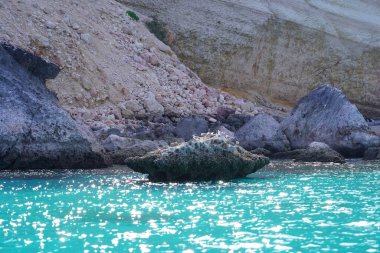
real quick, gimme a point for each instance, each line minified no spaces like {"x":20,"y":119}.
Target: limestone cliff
{"x":280,"y":49}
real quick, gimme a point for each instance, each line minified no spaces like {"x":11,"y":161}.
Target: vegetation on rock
{"x":133,"y":15}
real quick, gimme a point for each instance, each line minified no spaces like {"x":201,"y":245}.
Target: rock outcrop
{"x":263,"y":131}
{"x":326,"y":115}
{"x":34,"y":131}
{"x":316,"y":152}
{"x":281,"y":49}
{"x":210,"y":157}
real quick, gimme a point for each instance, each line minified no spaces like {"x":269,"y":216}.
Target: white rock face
{"x":281,"y":49}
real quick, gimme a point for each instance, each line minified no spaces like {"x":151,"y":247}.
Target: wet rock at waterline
{"x":372,"y":154}
{"x":209,"y":157}
{"x":326,"y":115}
{"x":34,"y":131}
{"x":316,"y":152}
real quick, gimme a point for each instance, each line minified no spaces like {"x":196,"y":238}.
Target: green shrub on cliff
{"x":158,"y":29}
{"x":133,"y":15}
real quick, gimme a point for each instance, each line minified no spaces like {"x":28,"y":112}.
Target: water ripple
{"x":283,"y":208}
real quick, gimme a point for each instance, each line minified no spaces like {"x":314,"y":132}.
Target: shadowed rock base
{"x":372,"y":154}
{"x":316,"y":152}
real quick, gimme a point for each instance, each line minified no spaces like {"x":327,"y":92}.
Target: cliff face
{"x":280,"y":49}
{"x":112,"y":67}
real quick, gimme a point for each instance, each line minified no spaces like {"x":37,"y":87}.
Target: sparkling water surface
{"x":285,"y":207}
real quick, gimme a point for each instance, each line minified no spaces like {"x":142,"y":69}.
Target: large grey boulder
{"x":152,"y":106}
{"x":326,"y":115}
{"x":34,"y":131}
{"x":210,"y":157}
{"x":263,"y":131}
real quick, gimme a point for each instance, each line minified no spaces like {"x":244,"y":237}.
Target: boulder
{"x":372,"y":154}
{"x":326,"y":115}
{"x":34,"y":131}
{"x":194,"y":125}
{"x":210,"y":157}
{"x":316,"y":152}
{"x":262,"y":131}
{"x":152,"y":106}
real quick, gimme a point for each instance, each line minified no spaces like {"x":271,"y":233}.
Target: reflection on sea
{"x":284,"y":207}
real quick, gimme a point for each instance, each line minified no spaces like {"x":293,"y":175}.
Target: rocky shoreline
{"x":82,"y":94}
{"x":37,"y":133}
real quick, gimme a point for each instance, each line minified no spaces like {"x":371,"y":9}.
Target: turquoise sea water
{"x":283,"y":208}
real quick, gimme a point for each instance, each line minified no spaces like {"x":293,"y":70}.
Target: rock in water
{"x":209,"y":157}
{"x":263,"y":131}
{"x":34,"y":131}
{"x":316,"y":152}
{"x":326,"y":115}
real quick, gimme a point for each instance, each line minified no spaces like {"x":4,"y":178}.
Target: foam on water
{"x":284,"y":208}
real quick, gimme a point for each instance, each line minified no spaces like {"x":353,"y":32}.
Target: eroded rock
{"x":210,"y":157}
